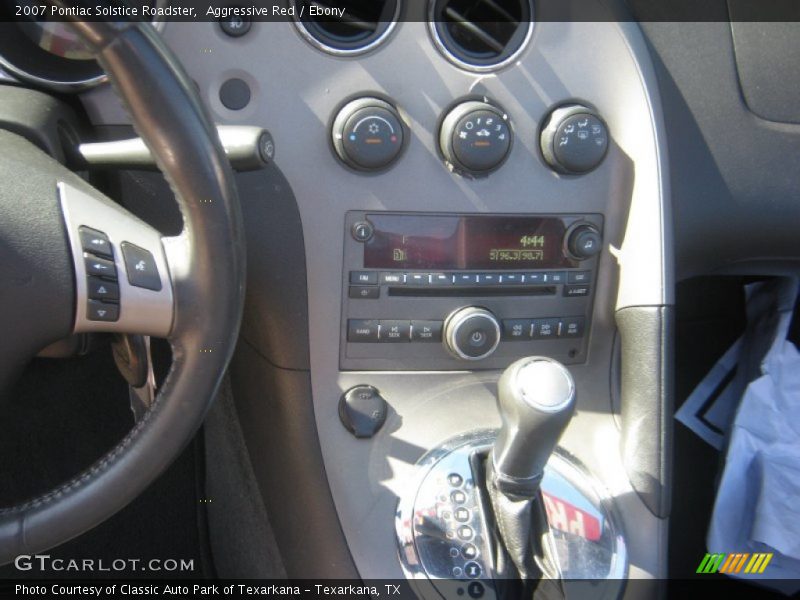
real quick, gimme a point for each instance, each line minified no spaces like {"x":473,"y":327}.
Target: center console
{"x":445,"y":291}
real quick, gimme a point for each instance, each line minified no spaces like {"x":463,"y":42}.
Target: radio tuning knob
{"x":584,"y":241}
{"x":471,"y":333}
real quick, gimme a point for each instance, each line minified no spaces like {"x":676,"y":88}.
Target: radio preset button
{"x":512,"y":278}
{"x":535,"y":278}
{"x":441,"y":279}
{"x":426,"y":331}
{"x":465,"y":279}
{"x":364,"y":292}
{"x":418,"y":278}
{"x":395,"y":331}
{"x":488,"y":279}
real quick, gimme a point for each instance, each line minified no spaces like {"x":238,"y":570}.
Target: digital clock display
{"x":451,"y":242}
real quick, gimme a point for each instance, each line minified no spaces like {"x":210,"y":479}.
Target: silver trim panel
{"x":141,"y":311}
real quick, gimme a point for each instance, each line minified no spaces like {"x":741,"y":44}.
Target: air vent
{"x":481,"y":35}
{"x":346,"y":26}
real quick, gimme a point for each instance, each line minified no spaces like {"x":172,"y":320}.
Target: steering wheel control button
{"x":99,"y":267}
{"x":100,"y":289}
{"x":362,"y":330}
{"x":475,"y":138}
{"x":583,"y":242}
{"x":364,"y":292}
{"x":574,"y":140}
{"x":471,"y":333}
{"x":95,"y":242}
{"x":235,"y":94}
{"x":102,"y":311}
{"x":141,"y":267}
{"x":362,"y":231}
{"x":235,"y":25}
{"x":395,"y":331}
{"x":362,"y":411}
{"x":426,"y":331}
{"x":368,"y":134}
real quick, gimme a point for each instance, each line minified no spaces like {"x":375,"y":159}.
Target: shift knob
{"x":536,"y":399}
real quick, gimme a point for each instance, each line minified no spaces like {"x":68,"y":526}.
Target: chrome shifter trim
{"x":584,"y":528}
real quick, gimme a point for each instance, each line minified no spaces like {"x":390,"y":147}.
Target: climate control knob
{"x":475,"y":138}
{"x":574,"y":140}
{"x":471,"y":333}
{"x":368,"y":134}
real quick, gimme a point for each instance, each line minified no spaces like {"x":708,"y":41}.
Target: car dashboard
{"x":447,"y":197}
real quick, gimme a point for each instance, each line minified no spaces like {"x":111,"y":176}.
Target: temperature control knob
{"x":574,"y":140}
{"x":368,"y":134}
{"x":471,"y":333}
{"x":475,"y":138}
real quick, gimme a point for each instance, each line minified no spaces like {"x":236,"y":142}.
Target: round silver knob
{"x":471,"y":333}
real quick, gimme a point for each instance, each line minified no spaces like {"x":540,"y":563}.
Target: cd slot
{"x":476,"y":291}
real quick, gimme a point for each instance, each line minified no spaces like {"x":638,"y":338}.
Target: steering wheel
{"x":60,"y":239}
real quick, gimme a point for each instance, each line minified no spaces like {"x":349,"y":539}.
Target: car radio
{"x":445,"y":291}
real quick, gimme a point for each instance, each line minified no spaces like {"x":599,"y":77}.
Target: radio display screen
{"x":456,"y":242}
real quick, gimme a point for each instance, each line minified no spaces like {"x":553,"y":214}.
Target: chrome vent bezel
{"x":318,"y":39}
{"x":459,"y":56}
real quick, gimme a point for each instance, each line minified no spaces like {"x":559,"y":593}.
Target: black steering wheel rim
{"x":207,"y":273}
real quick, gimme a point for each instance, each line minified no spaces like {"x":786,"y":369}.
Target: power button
{"x":471,"y":333}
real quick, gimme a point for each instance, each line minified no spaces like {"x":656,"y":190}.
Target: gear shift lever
{"x":536,"y":399}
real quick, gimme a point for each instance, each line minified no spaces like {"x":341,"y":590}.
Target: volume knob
{"x":471,"y":333}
